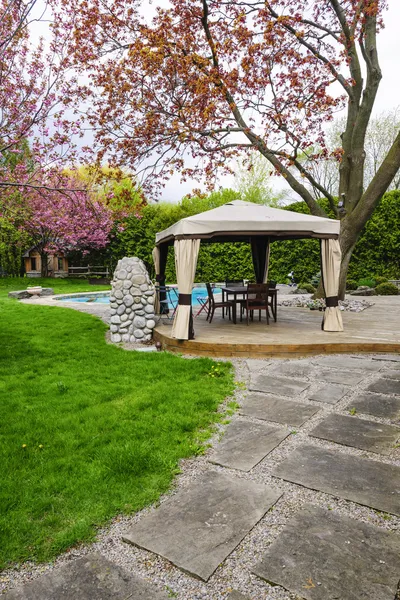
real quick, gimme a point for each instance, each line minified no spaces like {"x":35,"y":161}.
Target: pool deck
{"x":296,"y":333}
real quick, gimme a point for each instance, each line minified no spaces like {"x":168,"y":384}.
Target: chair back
{"x":271,"y":284}
{"x":234,"y":282}
{"x":210,"y":294}
{"x":257,"y":291}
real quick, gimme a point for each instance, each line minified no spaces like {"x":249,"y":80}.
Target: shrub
{"x":310,"y":289}
{"x":351,"y":284}
{"x":379,"y":280}
{"x":367,"y":282}
{"x":315,"y":279}
{"x":387,"y":289}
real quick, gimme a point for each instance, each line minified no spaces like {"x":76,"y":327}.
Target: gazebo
{"x":258,"y":225}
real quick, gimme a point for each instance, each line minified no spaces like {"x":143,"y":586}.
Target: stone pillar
{"x":132,"y":302}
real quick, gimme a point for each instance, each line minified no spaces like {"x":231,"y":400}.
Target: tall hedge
{"x":377,"y":252}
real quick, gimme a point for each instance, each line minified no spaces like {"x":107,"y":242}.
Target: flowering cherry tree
{"x":33,"y":95}
{"x":65,"y":220}
{"x":197,"y":82}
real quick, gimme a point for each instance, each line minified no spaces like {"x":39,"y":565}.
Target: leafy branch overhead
{"x":189,"y":86}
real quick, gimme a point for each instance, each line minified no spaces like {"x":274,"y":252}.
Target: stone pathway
{"x":299,"y":499}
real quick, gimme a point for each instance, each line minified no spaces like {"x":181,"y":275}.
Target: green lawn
{"x":87,"y":430}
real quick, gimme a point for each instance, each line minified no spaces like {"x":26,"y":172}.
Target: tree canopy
{"x":206,"y":80}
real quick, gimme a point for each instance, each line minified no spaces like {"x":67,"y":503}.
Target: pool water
{"x":104,"y":297}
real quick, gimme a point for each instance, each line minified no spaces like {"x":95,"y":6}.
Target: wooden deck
{"x":297,"y":333}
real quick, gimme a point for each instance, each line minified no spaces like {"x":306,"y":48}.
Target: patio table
{"x":241,"y":290}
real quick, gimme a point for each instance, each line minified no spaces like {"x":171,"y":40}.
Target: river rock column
{"x":132,"y":302}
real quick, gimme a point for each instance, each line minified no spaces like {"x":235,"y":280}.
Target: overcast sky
{"x":388,"y":96}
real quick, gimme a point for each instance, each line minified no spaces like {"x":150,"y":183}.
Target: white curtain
{"x":186,"y":253}
{"x":331,"y":256}
{"x":156,"y":260}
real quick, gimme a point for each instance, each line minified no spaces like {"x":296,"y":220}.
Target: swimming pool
{"x":198,"y":293}
{"x":98,"y":297}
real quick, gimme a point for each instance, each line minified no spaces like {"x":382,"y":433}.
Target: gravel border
{"x":235,"y":572}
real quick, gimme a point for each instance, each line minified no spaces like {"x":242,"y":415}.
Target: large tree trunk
{"x":347,"y":242}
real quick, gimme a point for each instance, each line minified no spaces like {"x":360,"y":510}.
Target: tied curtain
{"x":260,"y":254}
{"x":331,"y":256}
{"x":186,"y":253}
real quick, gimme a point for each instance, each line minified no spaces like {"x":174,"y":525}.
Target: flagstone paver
{"x":256,"y":365}
{"x":348,"y":362}
{"x":374,"y":484}
{"x":321,"y":555}
{"x":282,"y":386}
{"x":295,"y":368}
{"x":387,"y":357}
{"x":237,"y":596}
{"x":330,"y":393}
{"x":245,"y":444}
{"x":278,"y":410}
{"x":392,"y":374}
{"x":197,"y":528}
{"x":337,"y":376}
{"x":377,"y":405}
{"x":385,"y":386}
{"x":358,"y":433}
{"x":90,"y":578}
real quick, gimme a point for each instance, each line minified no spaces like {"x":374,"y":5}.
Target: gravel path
{"x":235,"y":572}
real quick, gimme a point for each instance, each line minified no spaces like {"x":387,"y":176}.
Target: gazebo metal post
{"x":260,"y":256}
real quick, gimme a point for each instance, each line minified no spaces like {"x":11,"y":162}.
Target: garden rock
{"x":363,"y":291}
{"x":134,"y":292}
{"x":23,"y":294}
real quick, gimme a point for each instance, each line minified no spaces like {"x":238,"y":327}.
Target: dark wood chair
{"x":233,"y":283}
{"x":256,"y":299}
{"x":212,"y":305}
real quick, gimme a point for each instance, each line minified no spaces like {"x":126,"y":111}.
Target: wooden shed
{"x":57,"y":264}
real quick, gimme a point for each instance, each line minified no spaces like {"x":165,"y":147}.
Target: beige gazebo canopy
{"x":259,"y":225}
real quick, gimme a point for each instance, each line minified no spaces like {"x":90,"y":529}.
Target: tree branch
{"x":378,"y":186}
{"x":257,"y":141}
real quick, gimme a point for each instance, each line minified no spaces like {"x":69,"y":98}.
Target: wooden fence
{"x":89,"y":271}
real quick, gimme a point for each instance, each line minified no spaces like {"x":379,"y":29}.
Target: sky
{"x":387,"y":99}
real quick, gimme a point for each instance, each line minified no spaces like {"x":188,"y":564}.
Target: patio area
{"x":297,"y":332}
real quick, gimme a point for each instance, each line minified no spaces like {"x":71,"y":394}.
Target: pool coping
{"x":64,"y":297}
